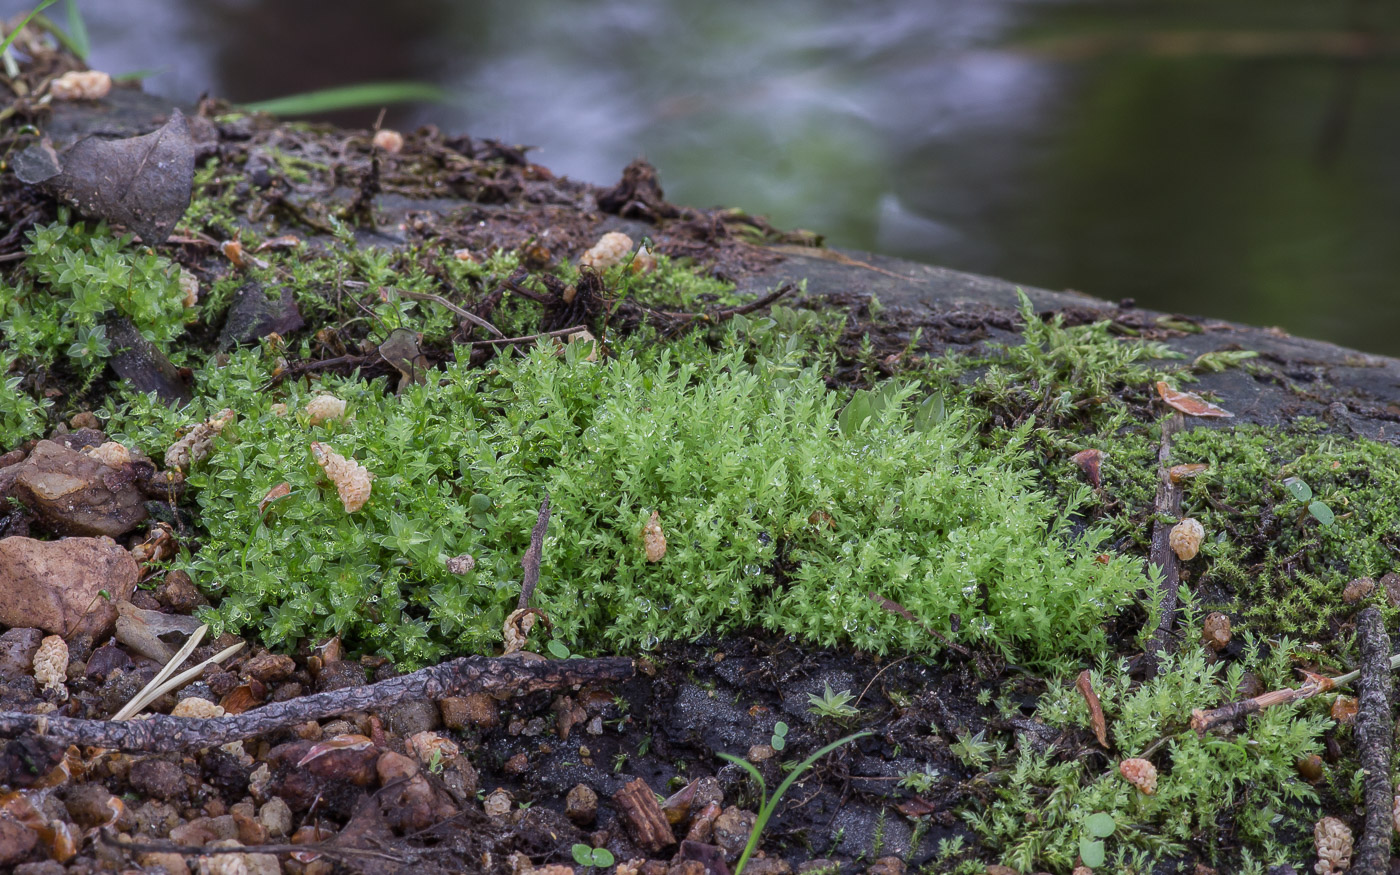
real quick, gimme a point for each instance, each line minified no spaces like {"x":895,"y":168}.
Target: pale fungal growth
{"x":196,"y":446}
{"x":612,"y":248}
{"x":1141,"y":774}
{"x":189,"y":285}
{"x":461,"y":564}
{"x":1186,"y":537}
{"x":389,"y":141}
{"x":324,"y":408}
{"x":111,"y":454}
{"x":196,"y":708}
{"x":1333,"y":841}
{"x":653,"y":539}
{"x":51,"y":663}
{"x":643,"y":262}
{"x":352,"y":480}
{"x":81,"y":85}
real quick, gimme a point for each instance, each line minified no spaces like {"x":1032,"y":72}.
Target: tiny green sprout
{"x":558,"y":649}
{"x":585,"y":855}
{"x":435,"y":762}
{"x":779,"y":739}
{"x":768,"y":805}
{"x":1303,"y":492}
{"x":1097,"y":827}
{"x":974,"y":750}
{"x":834,"y":705}
{"x":984,"y":697}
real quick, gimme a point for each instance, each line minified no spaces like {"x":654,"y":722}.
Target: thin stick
{"x":530,"y":562}
{"x":1315,"y":684}
{"x":469,"y":674}
{"x":1161,"y":557}
{"x":465,"y":314}
{"x":1375,"y":730}
{"x":560,"y":332}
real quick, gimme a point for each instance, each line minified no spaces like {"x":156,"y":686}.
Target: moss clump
{"x":1239,"y":790}
{"x":773,"y":515}
{"x":1285,"y":567}
{"x":54,"y":309}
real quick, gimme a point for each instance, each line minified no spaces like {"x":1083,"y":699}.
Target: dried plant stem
{"x":1161,"y":557}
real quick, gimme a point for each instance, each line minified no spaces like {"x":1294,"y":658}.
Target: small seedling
{"x":974,"y":750}
{"x":435,"y":762}
{"x":589,"y":856}
{"x":769,"y":805}
{"x":1303,"y":492}
{"x":779,"y":739}
{"x":558,"y":649}
{"x":834,"y":705}
{"x":1097,"y":827}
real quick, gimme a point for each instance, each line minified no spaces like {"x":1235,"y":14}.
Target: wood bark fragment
{"x":468,"y":675}
{"x":1091,"y":698}
{"x":1167,"y":503}
{"x":650,"y":828}
{"x":1374,"y":739}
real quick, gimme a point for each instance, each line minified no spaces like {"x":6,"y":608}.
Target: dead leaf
{"x":340,"y":742}
{"x":401,"y":350}
{"x":1179,"y":473}
{"x":141,"y":182}
{"x":1089,"y":462}
{"x":1091,"y":698}
{"x":1190,"y":403}
{"x":281,"y":490}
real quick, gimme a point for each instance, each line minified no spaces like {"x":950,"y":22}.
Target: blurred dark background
{"x":1237,"y":160}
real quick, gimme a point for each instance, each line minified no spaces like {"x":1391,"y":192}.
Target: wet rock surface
{"x":72,"y":493}
{"x":58,"y":586}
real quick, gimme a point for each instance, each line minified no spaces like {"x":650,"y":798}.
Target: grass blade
{"x":77,"y":30}
{"x":367,"y":94}
{"x":5,"y":44}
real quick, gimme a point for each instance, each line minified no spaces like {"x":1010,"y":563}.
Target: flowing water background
{"x":1238,"y":160}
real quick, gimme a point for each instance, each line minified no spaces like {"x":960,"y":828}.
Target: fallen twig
{"x":465,"y":314}
{"x":469,"y":674}
{"x":897,"y":608}
{"x":1315,"y":684}
{"x":530,"y":562}
{"x":1374,"y":739}
{"x":1167,"y":503}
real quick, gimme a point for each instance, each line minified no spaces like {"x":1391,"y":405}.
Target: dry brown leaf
{"x":1091,"y":698}
{"x":1179,"y":473}
{"x":1190,"y":403}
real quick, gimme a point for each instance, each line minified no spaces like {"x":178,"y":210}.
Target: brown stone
{"x":581,"y":805}
{"x":74,"y":494}
{"x":732,"y":829}
{"x":886,"y":866}
{"x":178,"y":593}
{"x":17,"y":649}
{"x":270,"y":667}
{"x":1390,"y":581}
{"x":475,"y":711}
{"x":159,"y":778}
{"x":56,"y":586}
{"x":17,"y":841}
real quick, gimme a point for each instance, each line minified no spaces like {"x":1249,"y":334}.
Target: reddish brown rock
{"x":17,"y":841}
{"x":17,"y":648}
{"x":73,"y":493}
{"x":56,"y":586}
